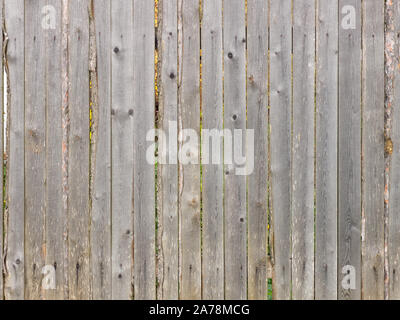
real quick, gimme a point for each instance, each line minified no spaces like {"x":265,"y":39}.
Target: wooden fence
{"x":87,"y":216}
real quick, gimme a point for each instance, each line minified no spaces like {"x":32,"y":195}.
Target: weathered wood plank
{"x":281,"y":106}
{"x":235,"y":119}
{"x":2,"y":159}
{"x":303,"y":150}
{"x":122,"y":149}
{"x":189,"y":174}
{"x":392,"y":152}
{"x":144,"y":172}
{"x":168,"y":179}
{"x":326,"y":151}
{"x":78,"y":202}
{"x":14,"y":220}
{"x":65,"y":136}
{"x":257,"y":120}
{"x":373,"y":155}
{"x":101,"y":149}
{"x":55,"y":219}
{"x":213,"y":173}
{"x":350,"y":145}
{"x":35,"y":144}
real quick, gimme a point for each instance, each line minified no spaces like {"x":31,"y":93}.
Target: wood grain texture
{"x":14,"y":221}
{"x":2,"y":158}
{"x":281,"y":109}
{"x":55,"y":219}
{"x":168,"y":228}
{"x":303,"y":150}
{"x":35,"y":152}
{"x":189,"y":174}
{"x":65,"y":136}
{"x":213,"y":173}
{"x":78,"y":202}
{"x":257,"y":120}
{"x":81,"y":191}
{"x":350,"y":149}
{"x":144,"y":172}
{"x":122,"y":149}
{"x":326,"y":151}
{"x":101,"y":151}
{"x":392,"y":152}
{"x":373,"y":155}
{"x":235,"y":119}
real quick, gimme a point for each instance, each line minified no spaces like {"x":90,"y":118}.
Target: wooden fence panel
{"x":303,"y":150}
{"x":326,"y":151}
{"x":14,"y":285}
{"x":35,"y":153}
{"x":122,"y":149}
{"x":349,"y":145}
{"x":189,"y":174}
{"x":235,"y":119}
{"x":213,"y":173}
{"x":373,"y":155}
{"x":316,"y":81}
{"x":168,"y":228}
{"x":281,"y":124}
{"x":100,"y":61}
{"x":257,"y":120}
{"x":144,"y":172}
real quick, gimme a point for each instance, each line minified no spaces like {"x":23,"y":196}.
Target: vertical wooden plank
{"x":257,"y":118}
{"x":350,"y":144}
{"x":14,"y":220}
{"x":122,"y":148}
{"x":2,"y":157}
{"x":55,"y":219}
{"x":144,"y":172}
{"x":303,"y":150}
{"x":189,"y":174}
{"x":373,"y":155}
{"x":35,"y":136}
{"x":235,"y":119}
{"x":65,"y":123}
{"x":43,"y":172}
{"x":78,"y":213}
{"x":213,"y":175}
{"x":326,"y":151}
{"x":168,"y":187}
{"x":101,"y":150}
{"x":392,"y":151}
{"x":281,"y":105}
